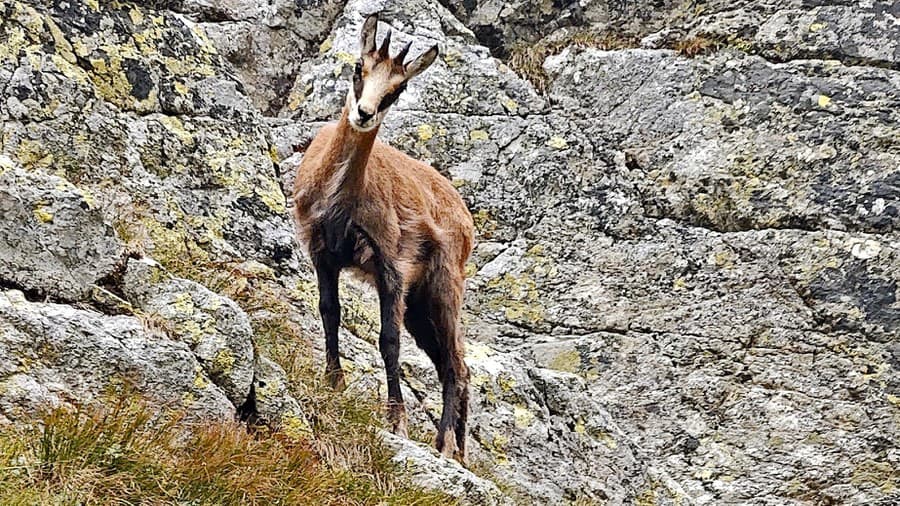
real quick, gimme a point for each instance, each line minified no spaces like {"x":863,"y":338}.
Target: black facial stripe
{"x":390,"y":98}
{"x":357,"y":80}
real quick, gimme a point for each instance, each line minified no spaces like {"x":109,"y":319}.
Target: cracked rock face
{"x":125,"y":134}
{"x":709,"y":246}
{"x":685,"y":287}
{"x":43,"y":220}
{"x":55,"y":354}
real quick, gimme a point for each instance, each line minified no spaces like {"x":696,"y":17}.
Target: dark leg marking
{"x":442,"y":315}
{"x":390,"y":297}
{"x":330,"y":310}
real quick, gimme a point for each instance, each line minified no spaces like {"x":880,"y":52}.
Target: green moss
{"x":517,"y":297}
{"x":878,"y":474}
{"x":567,"y":361}
{"x":485,"y":225}
{"x":223,"y":361}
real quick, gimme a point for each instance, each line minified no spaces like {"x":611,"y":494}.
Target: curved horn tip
{"x":403,"y":52}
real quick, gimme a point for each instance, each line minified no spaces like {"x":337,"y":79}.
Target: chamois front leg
{"x":391,"y":300}
{"x":330,"y":310}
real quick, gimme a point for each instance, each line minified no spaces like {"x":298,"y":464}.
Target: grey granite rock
{"x":685,"y":287}
{"x":54,"y":354}
{"x":43,"y":222}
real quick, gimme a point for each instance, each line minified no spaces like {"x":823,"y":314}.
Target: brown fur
{"x":363,"y":205}
{"x":400,"y":201}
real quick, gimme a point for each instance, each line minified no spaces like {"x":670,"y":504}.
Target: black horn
{"x":402,"y":54}
{"x":385,"y":44}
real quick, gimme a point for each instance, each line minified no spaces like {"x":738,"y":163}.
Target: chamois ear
{"x":421,"y":63}
{"x":367,"y":34}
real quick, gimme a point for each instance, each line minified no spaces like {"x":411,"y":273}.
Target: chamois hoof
{"x":399,"y":423}
{"x":446,"y":444}
{"x":335,"y":379}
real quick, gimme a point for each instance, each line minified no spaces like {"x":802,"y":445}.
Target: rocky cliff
{"x":685,"y":287}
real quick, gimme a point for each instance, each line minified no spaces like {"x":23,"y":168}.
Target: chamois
{"x":363,"y":205}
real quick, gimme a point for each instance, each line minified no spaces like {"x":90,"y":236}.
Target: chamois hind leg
{"x":419,"y":324}
{"x":446,"y":296}
{"x":330,"y":310}
{"x":390,"y":299}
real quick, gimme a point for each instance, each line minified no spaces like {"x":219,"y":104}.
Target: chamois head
{"x":378,"y":79}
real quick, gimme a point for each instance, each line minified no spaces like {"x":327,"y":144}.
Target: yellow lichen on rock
{"x":478,"y":136}
{"x":523,"y":416}
{"x":223,"y":362}
{"x":452,"y":58}
{"x":557,"y":142}
{"x":517,"y":297}
{"x":567,"y":361}
{"x":43,"y":214}
{"x":183,"y":303}
{"x":425,"y":132}
{"x":270,"y":390}
{"x":136,"y":16}
{"x":509,"y":104}
{"x":270,"y":194}
{"x":176,"y":127}
{"x":200,"y":381}
{"x":484,"y":223}
{"x":295,"y":427}
{"x":32,"y":154}
{"x":497,"y":447}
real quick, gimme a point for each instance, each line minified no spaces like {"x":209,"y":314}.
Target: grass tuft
{"x":527,"y":59}
{"x":697,"y":46}
{"x":124,"y":452}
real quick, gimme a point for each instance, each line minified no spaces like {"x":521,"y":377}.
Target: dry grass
{"x":527,"y":59}
{"x":126,"y":454}
{"x":697,"y":46}
{"x":342,"y":463}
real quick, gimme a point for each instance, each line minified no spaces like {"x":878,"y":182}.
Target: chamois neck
{"x":351,"y":149}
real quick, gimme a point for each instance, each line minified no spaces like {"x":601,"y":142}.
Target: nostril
{"x":363,"y":115}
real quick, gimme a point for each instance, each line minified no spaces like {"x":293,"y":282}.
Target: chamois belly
{"x":346,"y":243}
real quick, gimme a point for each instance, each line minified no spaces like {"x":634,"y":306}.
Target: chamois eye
{"x":358,"y":68}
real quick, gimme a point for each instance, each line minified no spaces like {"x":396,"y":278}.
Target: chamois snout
{"x":364,"y":115}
